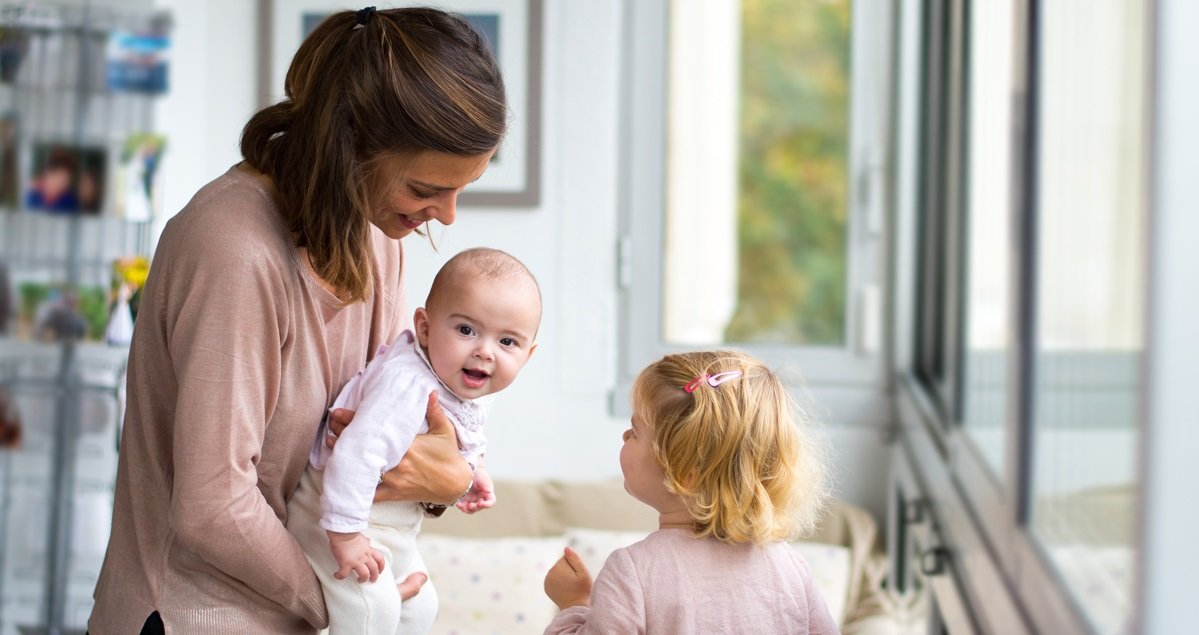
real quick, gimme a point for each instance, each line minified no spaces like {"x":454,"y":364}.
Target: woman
{"x":268,"y":291}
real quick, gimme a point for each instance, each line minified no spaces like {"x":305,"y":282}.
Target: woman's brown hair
{"x":393,"y":82}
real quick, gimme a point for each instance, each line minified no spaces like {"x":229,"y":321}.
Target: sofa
{"x":488,"y":568}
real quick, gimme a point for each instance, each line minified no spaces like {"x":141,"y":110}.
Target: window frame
{"x":1012,"y":585}
{"x":848,"y":381}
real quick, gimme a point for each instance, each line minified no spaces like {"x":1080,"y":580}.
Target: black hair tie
{"x":364,"y":15}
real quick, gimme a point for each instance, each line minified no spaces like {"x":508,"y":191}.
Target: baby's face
{"x":481,"y":335}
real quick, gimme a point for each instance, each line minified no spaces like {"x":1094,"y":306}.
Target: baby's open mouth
{"x":475,"y":373}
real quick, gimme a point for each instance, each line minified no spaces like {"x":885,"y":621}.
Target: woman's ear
{"x":420,"y":324}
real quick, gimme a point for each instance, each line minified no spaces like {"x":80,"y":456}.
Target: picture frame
{"x":512,"y":27}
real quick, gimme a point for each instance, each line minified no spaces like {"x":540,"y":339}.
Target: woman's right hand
{"x":432,"y":471}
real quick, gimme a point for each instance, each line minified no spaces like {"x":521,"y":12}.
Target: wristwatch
{"x":433,"y":510}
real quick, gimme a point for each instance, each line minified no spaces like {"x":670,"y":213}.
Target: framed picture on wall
{"x":513,"y":30}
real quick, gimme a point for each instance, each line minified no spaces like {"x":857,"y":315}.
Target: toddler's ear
{"x":420,"y":324}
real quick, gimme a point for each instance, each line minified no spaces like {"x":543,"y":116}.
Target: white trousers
{"x":366,"y":608}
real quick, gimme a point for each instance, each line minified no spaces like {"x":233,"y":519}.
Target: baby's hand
{"x":568,"y":583}
{"x":353,"y":552}
{"x":481,"y":494}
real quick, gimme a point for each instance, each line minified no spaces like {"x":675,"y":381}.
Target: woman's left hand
{"x":432,"y":470}
{"x":338,"y":420}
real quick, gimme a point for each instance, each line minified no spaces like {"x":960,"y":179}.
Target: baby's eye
{"x":465,"y":329}
{"x":507,"y":342}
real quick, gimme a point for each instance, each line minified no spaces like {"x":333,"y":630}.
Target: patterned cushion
{"x":491,"y":586}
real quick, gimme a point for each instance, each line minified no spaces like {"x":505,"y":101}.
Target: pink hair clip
{"x":712,"y":380}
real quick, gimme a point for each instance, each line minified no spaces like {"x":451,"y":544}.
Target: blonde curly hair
{"x":741,"y":455}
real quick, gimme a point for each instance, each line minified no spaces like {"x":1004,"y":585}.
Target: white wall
{"x":553,"y":421}
{"x":211,"y":94}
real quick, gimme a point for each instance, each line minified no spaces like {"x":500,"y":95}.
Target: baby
{"x":472,"y":337}
{"x":714,"y":447}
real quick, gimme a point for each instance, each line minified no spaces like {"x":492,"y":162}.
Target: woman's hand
{"x":432,"y":471}
{"x":568,"y":583}
{"x":412,"y":584}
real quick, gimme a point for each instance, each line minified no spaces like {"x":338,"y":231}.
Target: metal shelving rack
{"x":68,"y":391}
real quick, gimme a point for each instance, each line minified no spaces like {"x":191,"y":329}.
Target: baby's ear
{"x":420,"y":323}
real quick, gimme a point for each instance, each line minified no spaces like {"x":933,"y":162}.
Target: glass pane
{"x":1090,"y":298}
{"x":757,"y":178}
{"x":988,"y":218}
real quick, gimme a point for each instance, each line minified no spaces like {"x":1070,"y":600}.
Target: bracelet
{"x":468,"y":489}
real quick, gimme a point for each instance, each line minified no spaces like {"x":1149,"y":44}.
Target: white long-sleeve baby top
{"x":389,"y":398}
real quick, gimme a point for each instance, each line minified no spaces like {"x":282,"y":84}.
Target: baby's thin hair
{"x":486,"y":262}
{"x":741,"y":455}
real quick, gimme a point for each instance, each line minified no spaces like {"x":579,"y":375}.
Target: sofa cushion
{"x":521,"y":509}
{"x":831,"y":570}
{"x":595,"y":545}
{"x":490,"y":585}
{"x":547,"y":508}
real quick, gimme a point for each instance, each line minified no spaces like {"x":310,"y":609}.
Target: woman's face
{"x":414,"y":189}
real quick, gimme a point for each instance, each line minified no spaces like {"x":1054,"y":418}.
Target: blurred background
{"x":954,"y":226}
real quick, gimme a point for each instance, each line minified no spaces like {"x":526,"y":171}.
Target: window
{"x":765,"y":122}
{"x":1087,"y":334}
{"x":1030,"y":266}
{"x":986,"y":300}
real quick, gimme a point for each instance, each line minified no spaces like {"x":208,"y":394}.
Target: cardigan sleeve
{"x":227,"y":319}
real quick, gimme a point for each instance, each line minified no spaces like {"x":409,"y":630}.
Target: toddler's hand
{"x":568,"y":583}
{"x":481,"y":494}
{"x":353,"y":552}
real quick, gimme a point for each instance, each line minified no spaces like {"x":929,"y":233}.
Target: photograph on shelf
{"x":14,"y":44}
{"x":10,"y":183}
{"x":128,"y":277}
{"x":137,"y":177}
{"x":55,"y":312}
{"x":67,"y":179}
{"x":138,"y":60}
{"x":512,"y":29}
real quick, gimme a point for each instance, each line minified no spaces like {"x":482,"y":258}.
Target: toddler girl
{"x":715,"y":448}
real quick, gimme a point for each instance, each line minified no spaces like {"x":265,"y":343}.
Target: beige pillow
{"x":490,"y":585}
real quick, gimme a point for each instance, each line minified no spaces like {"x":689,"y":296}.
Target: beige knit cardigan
{"x":236,"y":354}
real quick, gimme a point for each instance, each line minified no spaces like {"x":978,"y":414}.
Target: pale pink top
{"x":673,"y":582}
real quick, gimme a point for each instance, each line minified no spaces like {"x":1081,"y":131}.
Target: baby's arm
{"x":481,"y":494}
{"x":353,"y":552}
